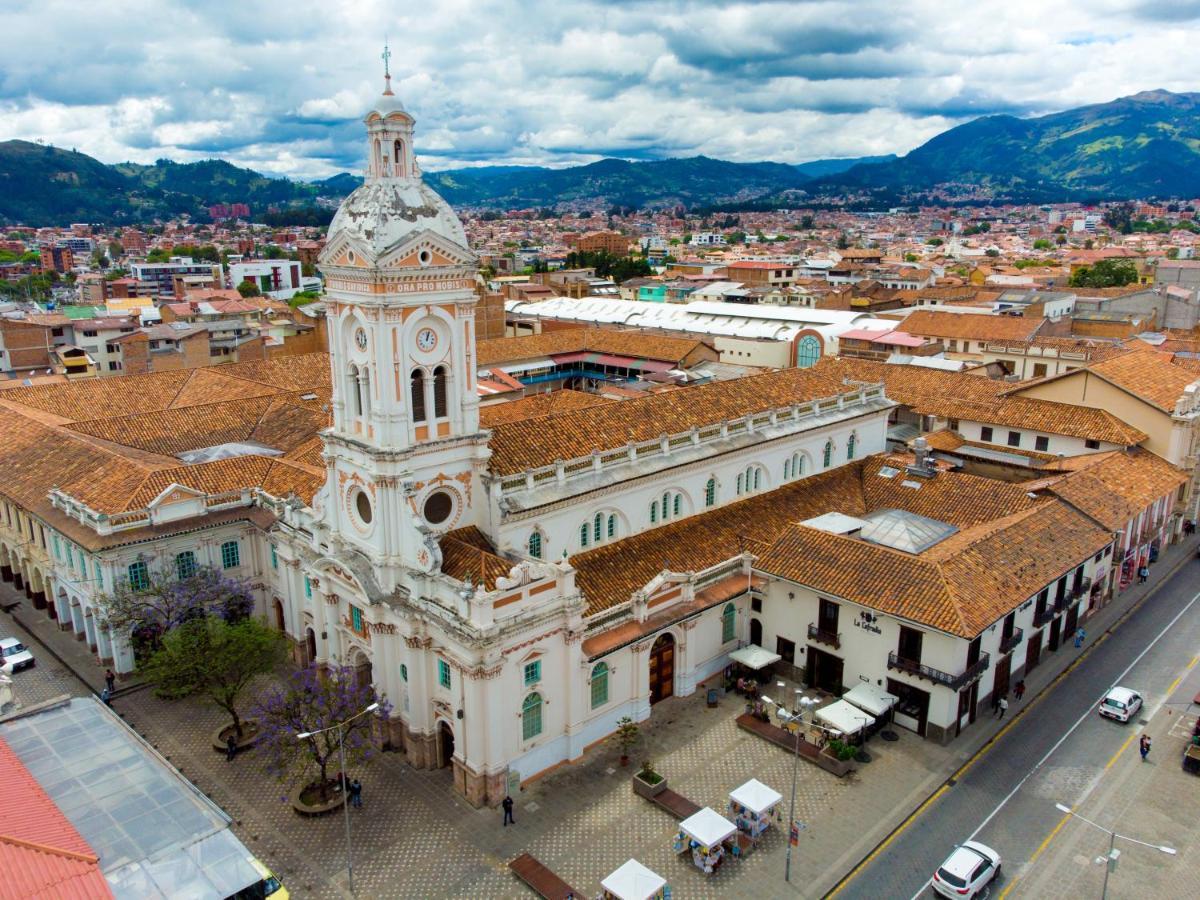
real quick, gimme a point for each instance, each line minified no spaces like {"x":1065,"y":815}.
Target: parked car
{"x":16,"y":655}
{"x":1121,"y":704}
{"x":968,"y":870}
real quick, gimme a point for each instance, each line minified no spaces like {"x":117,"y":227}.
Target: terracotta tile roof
{"x":536,"y":406}
{"x":639,"y":344}
{"x":100,"y":397}
{"x":467,"y":554}
{"x":1149,"y":375}
{"x":969,"y":326}
{"x":516,"y":447}
{"x":1113,"y":488}
{"x":41,"y":852}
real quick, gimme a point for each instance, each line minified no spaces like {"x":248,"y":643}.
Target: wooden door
{"x":1033,"y":652}
{"x":1055,"y":634}
{"x":1000,"y":685}
{"x":662,"y":668}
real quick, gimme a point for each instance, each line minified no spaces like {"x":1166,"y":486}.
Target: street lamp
{"x":787,"y":717}
{"x":305,"y":735}
{"x":1110,"y":861}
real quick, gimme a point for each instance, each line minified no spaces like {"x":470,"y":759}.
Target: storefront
{"x":912,"y":706}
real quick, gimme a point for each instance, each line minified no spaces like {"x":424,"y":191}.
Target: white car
{"x":1121,"y":704}
{"x":969,"y":869}
{"x":16,"y":655}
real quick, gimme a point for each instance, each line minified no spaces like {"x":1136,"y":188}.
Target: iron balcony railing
{"x":831,"y":638}
{"x":1008,"y":643}
{"x":1042,"y":617}
{"x":937,"y":676}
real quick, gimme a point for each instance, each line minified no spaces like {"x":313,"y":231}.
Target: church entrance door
{"x":662,"y":668}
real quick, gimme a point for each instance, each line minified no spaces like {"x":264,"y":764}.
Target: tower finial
{"x":387,"y":74}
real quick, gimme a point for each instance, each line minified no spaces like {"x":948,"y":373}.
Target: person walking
{"x":110,"y":680}
{"x":1144,"y":746}
{"x":1080,"y":636}
{"x":356,"y":794}
{"x":1143,"y":574}
{"x":507,"y":803}
{"x":230,"y":747}
{"x":1001,"y":707}
{"x":106,"y":697}
{"x":1019,"y":690}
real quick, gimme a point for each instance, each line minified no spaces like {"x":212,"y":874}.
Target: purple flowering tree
{"x":309,"y":703}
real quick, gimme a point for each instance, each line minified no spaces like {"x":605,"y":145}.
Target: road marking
{"x":1036,"y":853}
{"x":1087,"y":714}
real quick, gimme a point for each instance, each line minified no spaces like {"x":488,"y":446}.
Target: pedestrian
{"x":507,"y":803}
{"x":1079,"y":638}
{"x":106,"y":696}
{"x":356,"y":794}
{"x":230,"y":747}
{"x":1143,"y":574}
{"x":1002,"y":706}
{"x":1144,"y":746}
{"x":110,"y":680}
{"x":1019,"y":690}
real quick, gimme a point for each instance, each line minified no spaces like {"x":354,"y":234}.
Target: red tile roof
{"x":41,"y":853}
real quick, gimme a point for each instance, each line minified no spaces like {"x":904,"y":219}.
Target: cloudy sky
{"x":281,"y":86}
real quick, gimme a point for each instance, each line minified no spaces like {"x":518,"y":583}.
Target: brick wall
{"x":27,"y":345}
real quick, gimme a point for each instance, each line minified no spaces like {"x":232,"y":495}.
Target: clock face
{"x":360,"y":338}
{"x":426,"y":339}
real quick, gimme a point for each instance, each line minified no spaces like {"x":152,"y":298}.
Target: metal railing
{"x":1042,"y":617}
{"x":1008,"y":643}
{"x":937,"y":676}
{"x":821,"y":636}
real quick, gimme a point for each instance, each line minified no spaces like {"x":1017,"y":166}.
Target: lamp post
{"x":305,"y":735}
{"x":786,"y":717}
{"x":1110,"y":861}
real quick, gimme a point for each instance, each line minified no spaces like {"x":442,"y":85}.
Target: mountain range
{"x":1142,"y":146}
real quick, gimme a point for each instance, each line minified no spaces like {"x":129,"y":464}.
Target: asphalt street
{"x":1055,"y":752}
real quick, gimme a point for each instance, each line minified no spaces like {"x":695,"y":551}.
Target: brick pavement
{"x":415,"y":838}
{"x":47,"y":680}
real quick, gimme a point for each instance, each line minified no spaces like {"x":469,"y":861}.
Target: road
{"x":1058,"y":750}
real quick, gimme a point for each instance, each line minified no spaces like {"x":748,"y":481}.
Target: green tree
{"x":910,"y":257}
{"x":736,"y":237}
{"x":158,"y":255}
{"x":806,"y":223}
{"x":1105,"y":273}
{"x":1041,"y":244}
{"x":1172,"y":253}
{"x":843,"y":242}
{"x":1119,"y":217}
{"x":992,"y":252}
{"x":935,"y":242}
{"x":216,"y":660}
{"x":248,"y":289}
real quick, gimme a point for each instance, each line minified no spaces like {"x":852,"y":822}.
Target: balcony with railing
{"x":1008,"y":643}
{"x":937,"y":676}
{"x":830,"y":638}
{"x":1044,"y":616}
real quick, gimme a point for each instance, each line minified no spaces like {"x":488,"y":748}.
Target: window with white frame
{"x":231,"y":557}
{"x":531,"y":717}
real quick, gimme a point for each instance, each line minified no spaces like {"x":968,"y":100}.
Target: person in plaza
{"x":1143,"y":574}
{"x":1144,"y":746}
{"x":110,"y":680}
{"x":356,"y":794}
{"x":230,"y":747}
{"x":507,"y":803}
{"x":1001,"y":707}
{"x":1080,"y":635}
{"x":1019,"y":690}
{"x":106,"y":697}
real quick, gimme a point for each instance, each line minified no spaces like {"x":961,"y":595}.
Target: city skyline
{"x":532,"y":84}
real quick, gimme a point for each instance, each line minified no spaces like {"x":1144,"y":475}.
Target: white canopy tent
{"x":844,"y":717}
{"x":708,"y":828}
{"x":871,"y":698}
{"x":755,"y":796}
{"x":754,"y":657}
{"x":633,"y":881}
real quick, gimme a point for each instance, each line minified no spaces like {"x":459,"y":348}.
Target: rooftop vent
{"x":923,"y":465}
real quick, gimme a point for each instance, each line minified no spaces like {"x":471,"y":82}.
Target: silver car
{"x":16,"y":655}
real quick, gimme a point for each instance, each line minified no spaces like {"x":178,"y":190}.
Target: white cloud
{"x":564,"y":81}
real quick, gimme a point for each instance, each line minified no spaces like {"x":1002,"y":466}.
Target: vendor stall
{"x":844,"y":717}
{"x":708,"y":836}
{"x":633,"y":881}
{"x":751,"y":806}
{"x":870,"y":698}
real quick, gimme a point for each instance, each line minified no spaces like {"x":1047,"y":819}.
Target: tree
{"x":736,"y":237}
{"x":1089,"y":244}
{"x":1119,"y":217}
{"x":625,"y":737}
{"x":991,"y":252}
{"x":308,"y":703}
{"x":910,"y":257}
{"x":151,"y":609}
{"x":158,"y":255}
{"x":248,"y":289}
{"x":1105,"y":273}
{"x":1172,"y":253}
{"x":935,"y":242}
{"x":843,"y":242}
{"x":806,"y":223}
{"x":1041,"y":244}
{"x":216,"y":660}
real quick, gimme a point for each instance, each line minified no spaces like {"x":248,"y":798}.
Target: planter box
{"x":250,"y":736}
{"x":646,"y":789}
{"x":830,"y":763}
{"x":305,"y":809}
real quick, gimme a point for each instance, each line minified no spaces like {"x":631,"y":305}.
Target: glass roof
{"x":903,"y":530}
{"x":155,"y":833}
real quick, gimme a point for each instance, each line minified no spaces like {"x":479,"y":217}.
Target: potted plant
{"x":626,"y":735}
{"x":649,"y":783}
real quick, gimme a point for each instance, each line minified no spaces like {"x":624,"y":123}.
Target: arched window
{"x":653,"y":511}
{"x":787,"y":469}
{"x":599,"y":685}
{"x":612,"y":525}
{"x":808,"y":352}
{"x":666,"y":506}
{"x":535,"y":545}
{"x":827,"y":456}
{"x":531,"y":717}
{"x":739,"y":483}
{"x":439,"y":392}
{"x":677,"y":505}
{"x":850,"y":447}
{"x":399,"y":155}
{"x":728,"y":623}
{"x":357,"y":401}
{"x":710,"y":492}
{"x":364,"y":390}
{"x":797,"y":465}
{"x":757,"y":478}
{"x":417,"y":395}
{"x":583,"y":535}
{"x":598,"y":527}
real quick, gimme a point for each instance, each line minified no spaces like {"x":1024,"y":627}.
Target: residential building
{"x":278,"y":278}
{"x":162,"y":275}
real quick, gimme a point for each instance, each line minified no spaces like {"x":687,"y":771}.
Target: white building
{"x":278,"y":278}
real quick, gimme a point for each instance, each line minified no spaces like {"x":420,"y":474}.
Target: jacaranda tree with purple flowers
{"x":310,"y":703}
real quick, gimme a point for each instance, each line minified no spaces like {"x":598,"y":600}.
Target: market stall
{"x":751,"y":806}
{"x":844,"y":717}
{"x":633,"y":881}
{"x":708,"y":836}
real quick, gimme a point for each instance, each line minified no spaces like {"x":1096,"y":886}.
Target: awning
{"x":844,"y":717}
{"x":755,"y":796}
{"x":754,"y":657}
{"x":874,"y":700}
{"x":708,"y":828}
{"x":608,"y":359}
{"x":633,"y":881}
